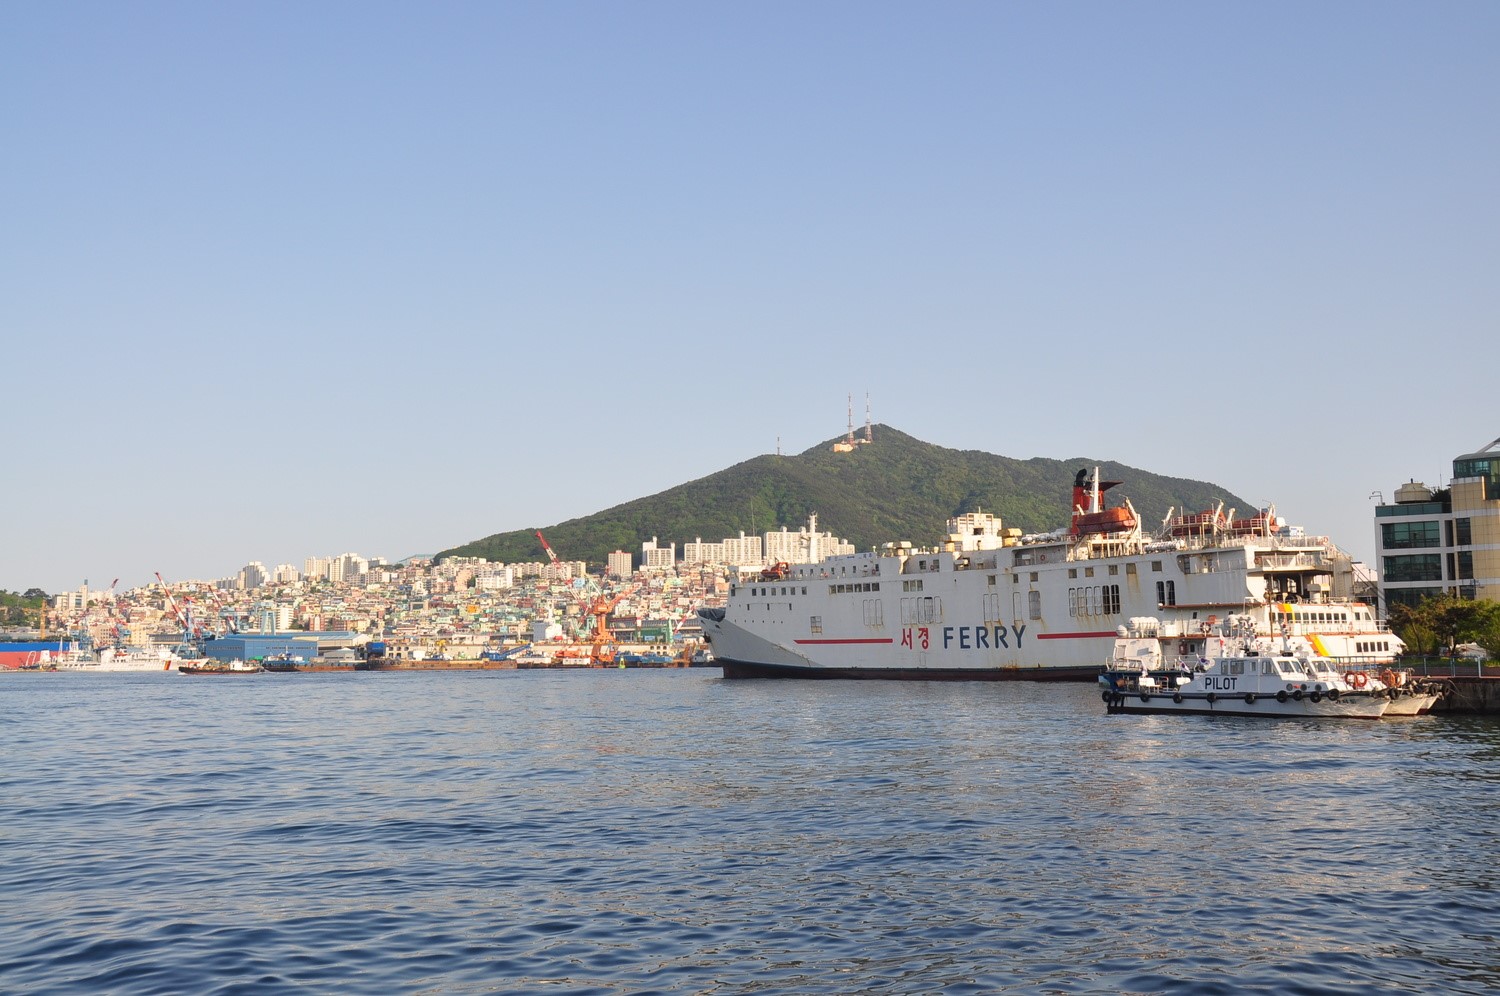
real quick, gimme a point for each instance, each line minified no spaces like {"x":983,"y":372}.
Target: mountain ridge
{"x":895,"y":488}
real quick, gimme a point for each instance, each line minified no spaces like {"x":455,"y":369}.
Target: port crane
{"x":547,"y":548}
{"x":184,"y":617}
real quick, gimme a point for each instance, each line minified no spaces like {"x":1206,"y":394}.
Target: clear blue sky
{"x":286,"y":279}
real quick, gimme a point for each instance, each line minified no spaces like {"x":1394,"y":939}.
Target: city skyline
{"x":376,"y":278}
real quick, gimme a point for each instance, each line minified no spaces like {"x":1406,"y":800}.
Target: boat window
{"x":1088,"y":572}
{"x":1156,"y":566}
{"x":816,"y":624}
{"x":1072,"y":572}
{"x":1114,"y":568}
{"x":1034,"y":600}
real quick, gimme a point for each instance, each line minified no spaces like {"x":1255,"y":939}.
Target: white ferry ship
{"x":991,"y":604}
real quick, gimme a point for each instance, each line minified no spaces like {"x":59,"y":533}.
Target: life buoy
{"x":1358,"y":679}
{"x":1041,"y":558}
{"x":1205,"y":628}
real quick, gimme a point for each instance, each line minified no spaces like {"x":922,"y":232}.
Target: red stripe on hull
{"x":886,"y":640}
{"x":1107,"y":634}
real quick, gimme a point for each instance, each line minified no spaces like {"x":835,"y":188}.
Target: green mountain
{"x":895,"y":488}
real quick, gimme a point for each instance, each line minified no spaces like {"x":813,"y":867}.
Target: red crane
{"x":546,"y":546}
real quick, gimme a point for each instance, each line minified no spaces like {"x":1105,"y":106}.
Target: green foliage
{"x":21,"y":610}
{"x":1436,"y":625}
{"x":896,"y":488}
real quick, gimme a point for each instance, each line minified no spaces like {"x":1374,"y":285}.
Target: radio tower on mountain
{"x":849,"y":442}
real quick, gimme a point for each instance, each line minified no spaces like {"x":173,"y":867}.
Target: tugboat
{"x":221,"y":667}
{"x":1245,"y":676}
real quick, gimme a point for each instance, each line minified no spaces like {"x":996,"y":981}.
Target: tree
{"x":1438,"y":624}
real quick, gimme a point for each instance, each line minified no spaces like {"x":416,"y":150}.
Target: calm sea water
{"x":673,"y":832}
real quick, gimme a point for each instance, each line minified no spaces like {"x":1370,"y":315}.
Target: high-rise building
{"x":617,"y":564}
{"x":655,"y":557}
{"x":1444,"y":540}
{"x":253,"y":575}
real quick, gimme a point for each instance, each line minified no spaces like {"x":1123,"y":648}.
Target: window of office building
{"x":1463,"y":532}
{"x":1414,"y":567}
{"x":1406,"y":535}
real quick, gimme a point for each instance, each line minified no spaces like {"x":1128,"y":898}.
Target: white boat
{"x":1409,"y":694}
{"x":128,"y":658}
{"x":989,"y":603}
{"x":1245,"y":678}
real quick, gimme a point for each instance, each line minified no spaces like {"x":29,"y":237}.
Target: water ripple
{"x":670,"y":832}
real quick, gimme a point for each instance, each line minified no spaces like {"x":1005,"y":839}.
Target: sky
{"x":281,"y":280}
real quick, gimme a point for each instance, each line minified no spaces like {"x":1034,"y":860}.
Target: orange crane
{"x":603,"y":651}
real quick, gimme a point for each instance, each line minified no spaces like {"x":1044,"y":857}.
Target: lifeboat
{"x":1110,"y":520}
{"x":1259,"y":525}
{"x":776,"y":572}
{"x":1200,"y":524}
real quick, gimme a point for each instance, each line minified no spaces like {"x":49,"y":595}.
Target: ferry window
{"x":1088,"y":572}
{"x":1114,"y":568}
{"x":1034,"y":603}
{"x":804,"y":589}
{"x":1129,"y":568}
{"x":992,"y":580}
{"x":1072,"y":601}
{"x":1171,"y":592}
{"x":1156,"y":566}
{"x":816,"y":624}
{"x":1033,"y":575}
{"x":1072,"y":572}
{"x":1161,"y":593}
{"x":1113,"y":592}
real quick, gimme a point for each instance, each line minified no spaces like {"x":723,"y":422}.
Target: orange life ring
{"x":1358,"y":679}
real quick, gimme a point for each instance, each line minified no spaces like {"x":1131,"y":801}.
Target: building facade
{"x":1434,"y":541}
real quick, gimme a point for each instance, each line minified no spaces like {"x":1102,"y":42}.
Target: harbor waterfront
{"x":668,"y":830}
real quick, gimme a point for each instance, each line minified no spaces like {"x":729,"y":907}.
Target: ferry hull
{"x":753,"y":669}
